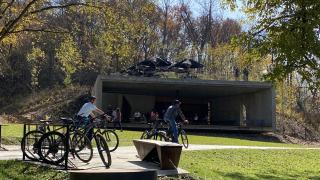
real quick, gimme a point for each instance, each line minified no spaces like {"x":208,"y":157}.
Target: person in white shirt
{"x":87,"y":110}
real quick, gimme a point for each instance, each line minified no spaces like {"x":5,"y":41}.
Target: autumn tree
{"x":289,"y":31}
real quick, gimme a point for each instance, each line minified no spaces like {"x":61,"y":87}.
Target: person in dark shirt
{"x":117,"y":117}
{"x":170,"y":116}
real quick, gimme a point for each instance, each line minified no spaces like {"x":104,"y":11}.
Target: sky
{"x":219,"y":11}
{"x":196,"y":7}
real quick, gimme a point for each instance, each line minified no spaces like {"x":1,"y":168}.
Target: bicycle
{"x":30,"y":141}
{"x":98,"y":135}
{"x":167,"y":135}
{"x":153,"y":131}
{"x":110,"y":135}
{"x":53,"y":145}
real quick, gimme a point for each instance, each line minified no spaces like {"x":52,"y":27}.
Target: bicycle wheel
{"x":103,"y":150}
{"x":184,"y":138}
{"x":161,"y":136}
{"x":30,"y":144}
{"x":52,"y":148}
{"x":144,"y":135}
{"x":112,"y":139}
{"x":81,"y":146}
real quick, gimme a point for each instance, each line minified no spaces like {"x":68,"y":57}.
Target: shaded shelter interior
{"x":214,"y":102}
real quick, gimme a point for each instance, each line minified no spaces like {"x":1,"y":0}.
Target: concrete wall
{"x":226,"y":110}
{"x":260,"y":108}
{"x":113,"y":99}
{"x":140,"y":103}
{"x":97,"y":91}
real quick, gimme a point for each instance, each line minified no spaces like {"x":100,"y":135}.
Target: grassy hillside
{"x":57,"y":101}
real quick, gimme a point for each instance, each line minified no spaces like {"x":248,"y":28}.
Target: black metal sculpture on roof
{"x":150,"y":67}
{"x":146,"y":68}
{"x":188,"y":63}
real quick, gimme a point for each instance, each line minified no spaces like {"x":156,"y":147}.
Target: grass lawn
{"x":18,"y":170}
{"x":220,"y":140}
{"x":252,"y":164}
{"x":211,"y":164}
{"x":12,"y":135}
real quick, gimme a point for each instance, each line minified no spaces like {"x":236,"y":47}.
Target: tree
{"x":17,"y":16}
{"x":199,"y":30}
{"x":36,"y":59}
{"x":69,"y":57}
{"x":289,"y":31}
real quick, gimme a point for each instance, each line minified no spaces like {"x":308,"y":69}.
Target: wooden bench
{"x":165,"y":153}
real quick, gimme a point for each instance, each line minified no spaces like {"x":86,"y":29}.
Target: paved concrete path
{"x":126,"y":158}
{"x":14,"y":152}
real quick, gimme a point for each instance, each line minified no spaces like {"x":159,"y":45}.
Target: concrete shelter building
{"x":217,"y":103}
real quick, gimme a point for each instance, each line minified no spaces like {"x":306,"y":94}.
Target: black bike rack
{"x":67,"y":126}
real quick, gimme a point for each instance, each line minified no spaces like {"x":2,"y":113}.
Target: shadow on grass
{"x":265,"y":175}
{"x":14,"y":169}
{"x":251,"y":137}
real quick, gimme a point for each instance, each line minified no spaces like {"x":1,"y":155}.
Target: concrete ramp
{"x":167,"y":154}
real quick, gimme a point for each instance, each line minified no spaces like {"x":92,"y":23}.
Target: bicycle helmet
{"x":92,"y":98}
{"x":176,"y":102}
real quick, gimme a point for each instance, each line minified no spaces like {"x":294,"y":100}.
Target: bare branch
{"x":10,"y":26}
{"x":6,"y":8}
{"x":7,"y":27}
{"x":61,"y":7}
{"x":38,"y":30}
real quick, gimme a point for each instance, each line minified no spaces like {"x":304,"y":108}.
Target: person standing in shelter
{"x":170,"y":116}
{"x":117,"y":117}
{"x":196,"y":119}
{"x":153,"y":116}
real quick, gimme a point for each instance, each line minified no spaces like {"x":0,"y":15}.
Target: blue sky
{"x":196,"y":7}
{"x":219,"y":11}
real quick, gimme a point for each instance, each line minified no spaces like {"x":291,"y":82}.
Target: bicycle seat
{"x":45,"y":121}
{"x":66,"y":120}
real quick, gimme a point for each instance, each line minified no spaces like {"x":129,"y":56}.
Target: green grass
{"x":252,"y":164}
{"x":217,"y":140}
{"x":18,"y":170}
{"x":12,"y":130}
{"x":211,"y":164}
{"x":126,"y":137}
{"x":12,"y":134}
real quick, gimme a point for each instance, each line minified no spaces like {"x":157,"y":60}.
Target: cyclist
{"x":170,"y":116}
{"x":86,"y":111}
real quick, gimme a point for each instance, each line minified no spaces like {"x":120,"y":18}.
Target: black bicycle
{"x":53,"y":145}
{"x":167,"y":135}
{"x":109,"y":135}
{"x":30,"y":142}
{"x":153,"y":131}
